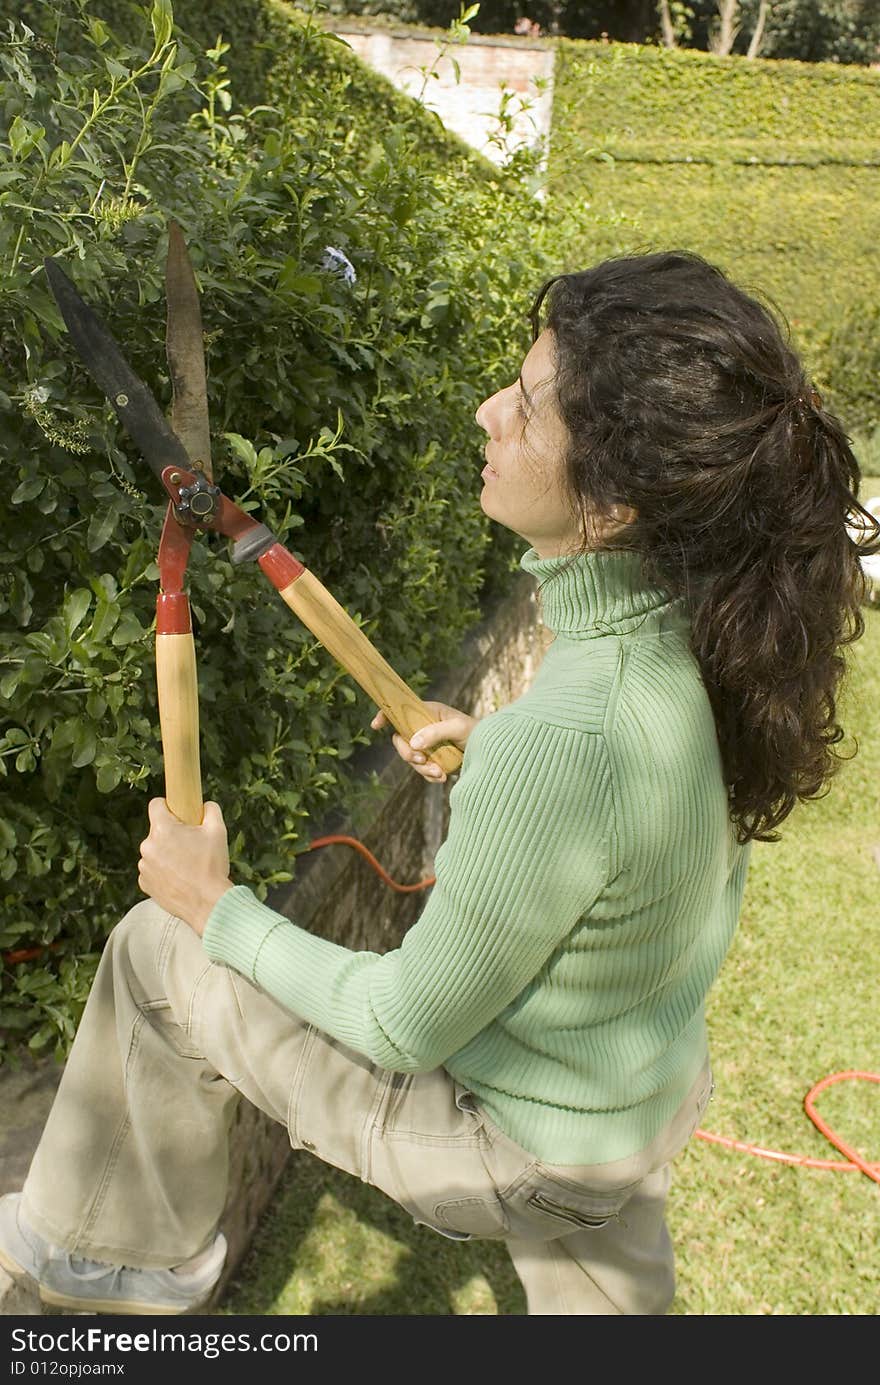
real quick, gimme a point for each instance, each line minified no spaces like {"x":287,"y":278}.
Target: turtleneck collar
{"x":596,"y":593}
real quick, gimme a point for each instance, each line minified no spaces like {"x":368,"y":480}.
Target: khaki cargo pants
{"x":132,"y":1165}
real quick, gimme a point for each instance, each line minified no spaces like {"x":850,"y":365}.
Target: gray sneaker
{"x":70,"y":1281}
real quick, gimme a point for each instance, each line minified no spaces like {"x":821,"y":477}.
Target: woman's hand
{"x":185,"y":869}
{"x":450,"y":725}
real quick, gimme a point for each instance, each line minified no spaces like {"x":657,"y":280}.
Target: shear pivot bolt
{"x":122,"y":400}
{"x":198,"y":501}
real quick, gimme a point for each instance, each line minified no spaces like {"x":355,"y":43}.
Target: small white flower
{"x":335,"y":260}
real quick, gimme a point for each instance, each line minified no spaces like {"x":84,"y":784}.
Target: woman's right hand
{"x":449,"y":725}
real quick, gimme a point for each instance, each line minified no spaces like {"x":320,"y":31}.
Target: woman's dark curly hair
{"x":684,"y":401}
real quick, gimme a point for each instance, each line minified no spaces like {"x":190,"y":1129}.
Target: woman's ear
{"x":616,"y":518}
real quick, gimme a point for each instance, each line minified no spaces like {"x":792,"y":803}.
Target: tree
{"x":758,"y":31}
{"x":722,"y":34}
{"x":666,"y":26}
{"x":724,"y":31}
{"x":842,"y":31}
{"x":845,"y":31}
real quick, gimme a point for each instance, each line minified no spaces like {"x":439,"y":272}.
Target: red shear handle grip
{"x":177,"y":685}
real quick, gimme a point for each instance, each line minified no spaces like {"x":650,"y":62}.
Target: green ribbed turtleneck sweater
{"x":586,"y":892}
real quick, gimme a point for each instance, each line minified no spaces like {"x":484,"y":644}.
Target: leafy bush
{"x":342,"y":412}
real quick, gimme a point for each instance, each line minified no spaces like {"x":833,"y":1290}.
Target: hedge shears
{"x":179,"y":452}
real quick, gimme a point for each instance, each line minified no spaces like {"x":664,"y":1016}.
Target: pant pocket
{"x":160,"y":1017}
{"x":429,"y":1155}
{"x":443,"y":1231}
{"x":335,"y":1095}
{"x":541,"y":1205}
{"x":704,"y":1096}
{"x":565,"y":1212}
{"x":475,"y":1216}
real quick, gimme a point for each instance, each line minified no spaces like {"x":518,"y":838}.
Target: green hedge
{"x":770,"y":169}
{"x":680,"y":96}
{"x":342,"y":413}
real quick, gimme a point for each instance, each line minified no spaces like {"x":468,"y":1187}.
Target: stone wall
{"x":488,"y":65}
{"x":336,"y":894}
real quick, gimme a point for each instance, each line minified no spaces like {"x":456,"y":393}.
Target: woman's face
{"x":523,"y":479}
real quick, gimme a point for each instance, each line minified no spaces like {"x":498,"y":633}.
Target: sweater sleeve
{"x":525,"y":856}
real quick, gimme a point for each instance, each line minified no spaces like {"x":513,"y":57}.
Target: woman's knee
{"x":147,"y":913}
{"x":144,"y":923}
{"x":159,"y":960}
{"x":139,"y":940}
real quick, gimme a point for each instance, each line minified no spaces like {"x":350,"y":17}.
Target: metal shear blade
{"x":135,"y":405}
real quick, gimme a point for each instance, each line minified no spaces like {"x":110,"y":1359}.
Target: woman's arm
{"x":526,"y":855}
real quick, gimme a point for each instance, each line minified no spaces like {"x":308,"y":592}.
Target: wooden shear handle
{"x":330,"y":623}
{"x":177,"y":686}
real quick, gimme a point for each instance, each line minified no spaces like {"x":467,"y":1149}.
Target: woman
{"x":526,"y":1065}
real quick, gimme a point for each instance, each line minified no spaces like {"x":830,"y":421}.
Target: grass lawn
{"x":795,"y":1002}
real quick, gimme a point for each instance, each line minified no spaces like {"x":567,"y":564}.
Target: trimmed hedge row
{"x":691,"y":95}
{"x":342,"y":412}
{"x":770,"y":169}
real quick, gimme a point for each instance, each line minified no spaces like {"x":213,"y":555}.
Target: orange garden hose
{"x":368,"y":855}
{"x":853,"y":1160}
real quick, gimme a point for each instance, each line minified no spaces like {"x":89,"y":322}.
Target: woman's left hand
{"x":185,"y":869}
